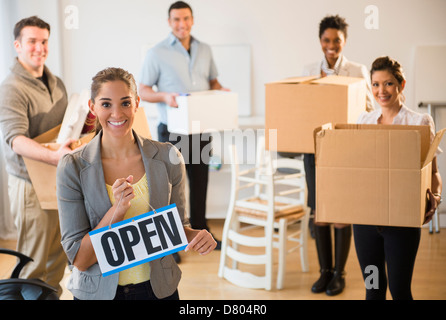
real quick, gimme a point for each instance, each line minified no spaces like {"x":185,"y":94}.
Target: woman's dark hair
{"x":33,"y":21}
{"x":388,"y":64}
{"x":333,"y":22}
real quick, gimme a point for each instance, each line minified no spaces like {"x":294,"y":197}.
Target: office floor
{"x":201,"y":282}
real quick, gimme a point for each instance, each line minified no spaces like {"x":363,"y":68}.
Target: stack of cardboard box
{"x":365,"y":174}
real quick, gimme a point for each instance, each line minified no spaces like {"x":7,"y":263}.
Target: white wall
{"x":283,"y":34}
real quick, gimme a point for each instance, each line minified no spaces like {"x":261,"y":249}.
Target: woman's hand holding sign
{"x":123,"y":193}
{"x":202,"y":241}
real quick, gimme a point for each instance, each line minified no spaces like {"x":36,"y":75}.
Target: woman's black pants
{"x":378,"y":247}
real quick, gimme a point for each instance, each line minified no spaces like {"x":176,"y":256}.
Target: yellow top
{"x":139,"y":273}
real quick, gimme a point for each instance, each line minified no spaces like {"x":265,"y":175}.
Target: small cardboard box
{"x":43,"y":175}
{"x":204,"y":111}
{"x":374,"y":174}
{"x":295,"y":106}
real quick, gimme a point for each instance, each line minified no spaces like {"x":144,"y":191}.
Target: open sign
{"x":134,"y":241}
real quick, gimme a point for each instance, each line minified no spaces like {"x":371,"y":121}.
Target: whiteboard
{"x":234,"y":71}
{"x":234,"y":68}
{"x":430,"y":70}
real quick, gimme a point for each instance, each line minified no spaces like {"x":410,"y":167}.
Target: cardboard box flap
{"x":327,"y":126}
{"x":423,"y":130}
{"x":353,"y":149}
{"x":48,"y":136}
{"x":332,"y":80}
{"x":338,"y":80}
{"x":434,"y":146}
{"x":295,"y":80}
{"x":395,"y":140}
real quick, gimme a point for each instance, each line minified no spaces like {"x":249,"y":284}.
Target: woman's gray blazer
{"x":83,"y":201}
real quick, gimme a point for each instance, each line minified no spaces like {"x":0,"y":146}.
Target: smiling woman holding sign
{"x":117,"y":176}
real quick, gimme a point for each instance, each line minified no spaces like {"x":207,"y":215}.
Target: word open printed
{"x":141,"y":239}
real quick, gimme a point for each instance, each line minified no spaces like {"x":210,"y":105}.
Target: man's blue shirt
{"x":170,"y":67}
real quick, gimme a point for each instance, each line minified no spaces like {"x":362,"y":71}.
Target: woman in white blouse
{"x":393,"y":247}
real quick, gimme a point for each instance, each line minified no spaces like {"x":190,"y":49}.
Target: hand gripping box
{"x":373,"y":174}
{"x":295,"y":106}
{"x":204,"y":111}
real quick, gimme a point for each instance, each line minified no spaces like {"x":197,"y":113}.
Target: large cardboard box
{"x":295,"y":106}
{"x":43,"y":175}
{"x":204,"y":111}
{"x":374,"y":174}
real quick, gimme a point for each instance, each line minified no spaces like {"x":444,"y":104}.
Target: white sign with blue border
{"x":141,"y":239}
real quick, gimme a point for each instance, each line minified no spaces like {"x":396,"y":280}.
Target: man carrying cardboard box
{"x":178,"y":65}
{"x":33,"y":101}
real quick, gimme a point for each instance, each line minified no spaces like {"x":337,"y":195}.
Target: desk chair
{"x":16,"y":288}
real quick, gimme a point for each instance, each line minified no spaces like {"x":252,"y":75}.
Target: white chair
{"x":277,"y":202}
